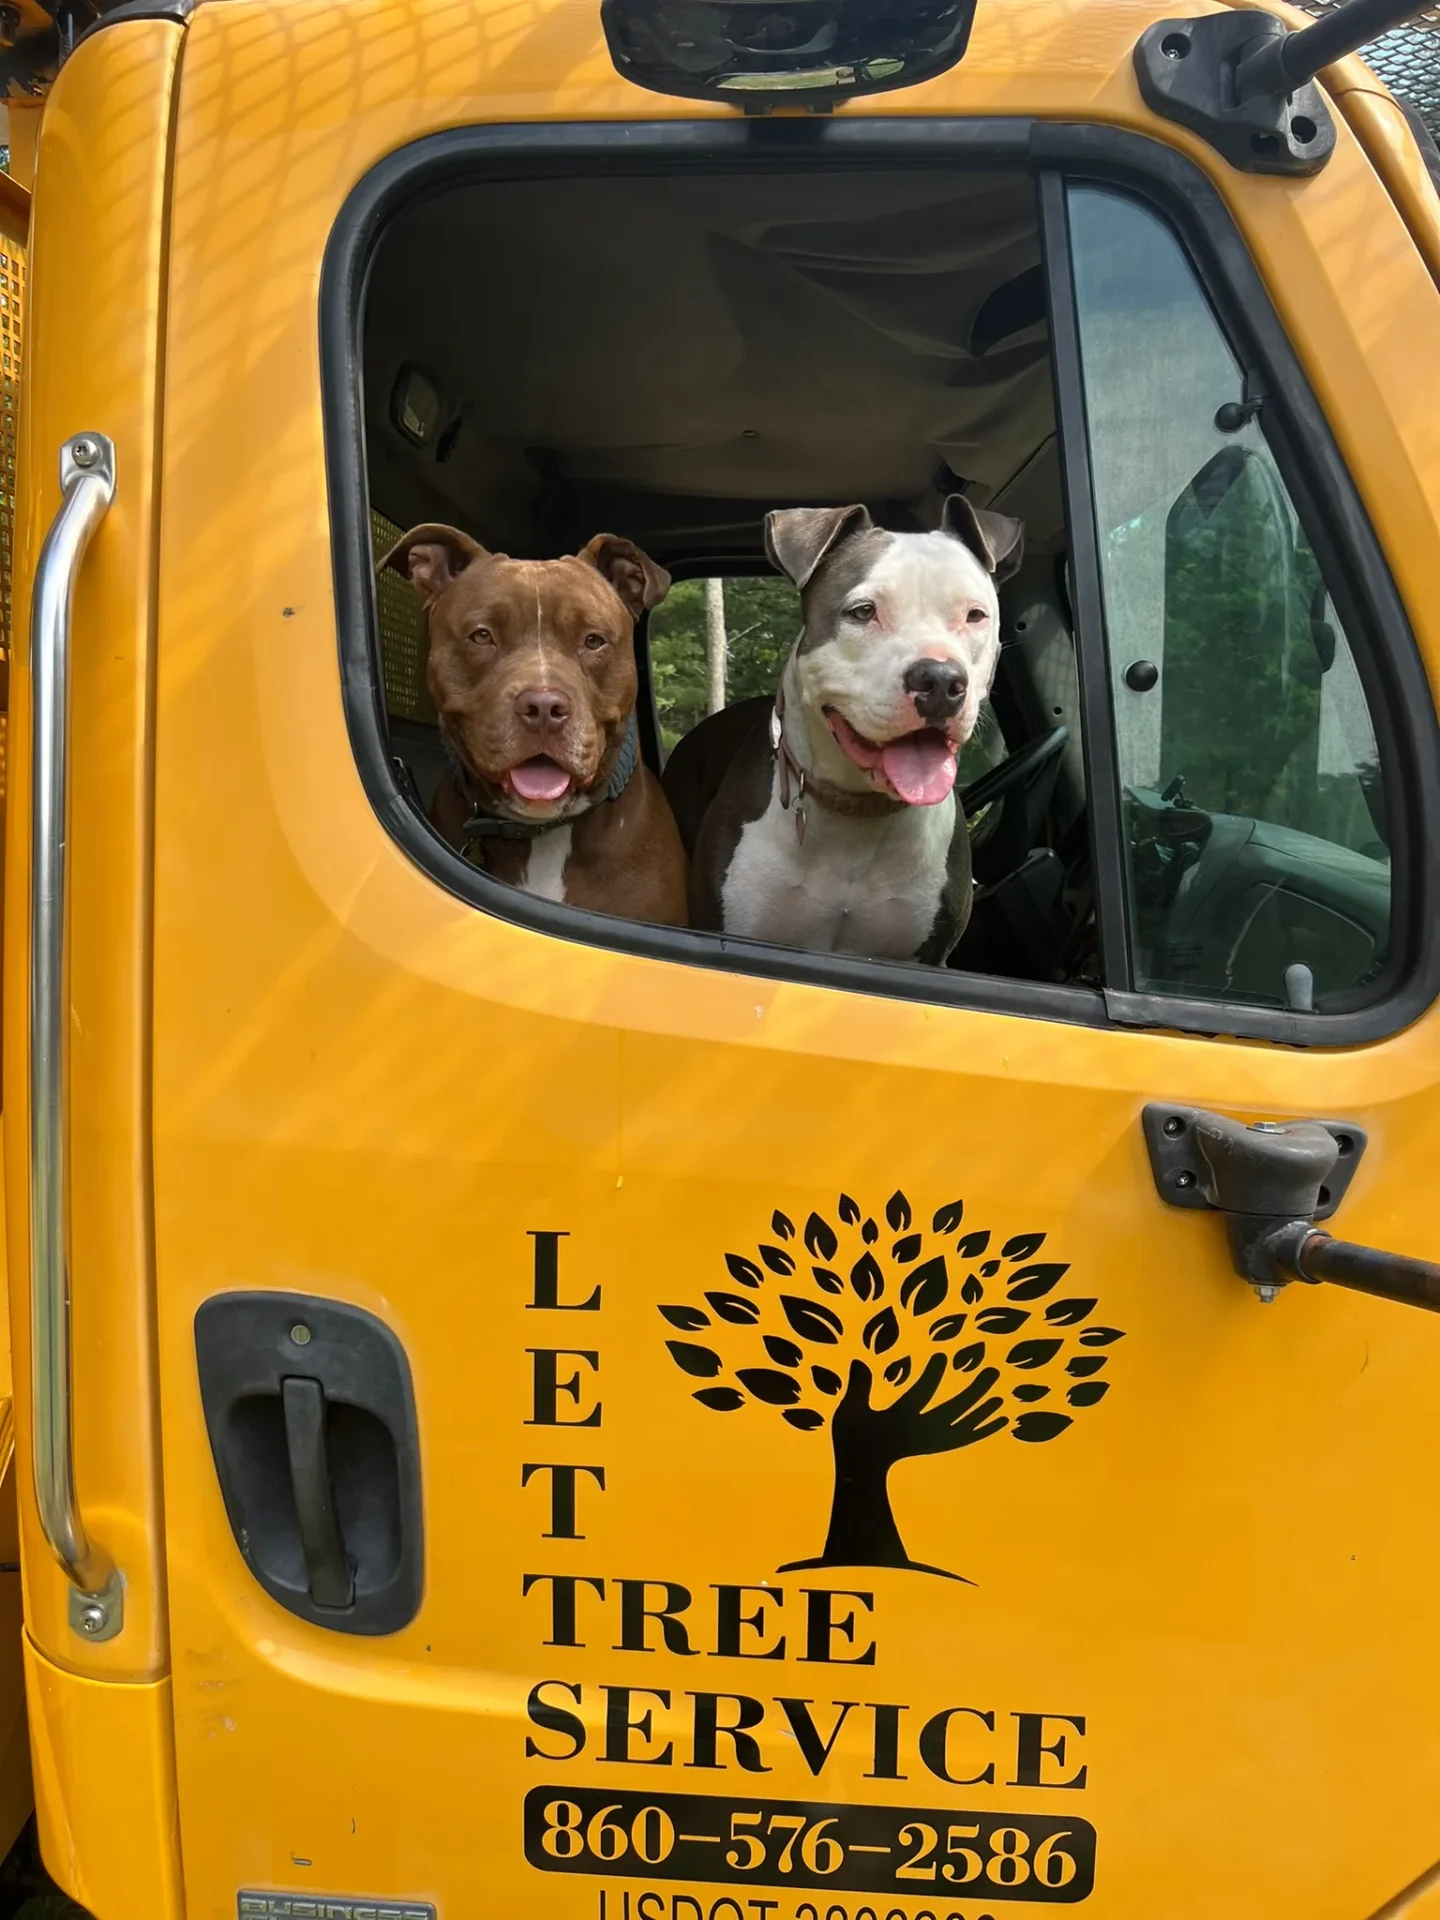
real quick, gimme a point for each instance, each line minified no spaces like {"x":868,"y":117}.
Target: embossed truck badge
{"x":930,"y":1345}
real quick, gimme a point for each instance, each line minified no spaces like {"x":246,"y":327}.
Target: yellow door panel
{"x":678,"y":1656}
{"x":104,"y":1765}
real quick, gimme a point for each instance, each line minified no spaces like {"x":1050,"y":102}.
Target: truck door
{"x":680,"y":1429}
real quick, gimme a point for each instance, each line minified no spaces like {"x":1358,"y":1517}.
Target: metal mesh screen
{"x":1408,"y":60}
{"x":402,"y":633}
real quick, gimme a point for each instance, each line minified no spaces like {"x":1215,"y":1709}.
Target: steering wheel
{"x":1017,"y":770}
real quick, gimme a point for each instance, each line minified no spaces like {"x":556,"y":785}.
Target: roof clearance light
{"x":759,"y":54}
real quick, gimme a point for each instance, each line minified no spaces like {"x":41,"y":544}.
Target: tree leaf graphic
{"x":782,"y":1225}
{"x":1029,"y":1390}
{"x":1065,"y":1313}
{"x":972,"y":1291}
{"x":882,"y":1331}
{"x":820,"y":1238}
{"x":990,"y":1269}
{"x":849,"y":1212}
{"x":948,"y":1217}
{"x":825,"y":1380}
{"x":968,"y":1358}
{"x":1033,"y":1283}
{"x":804,"y":1418}
{"x":926,"y":1286}
{"x":898,"y":1371}
{"x":688,"y":1319}
{"x":1087,"y":1394}
{"x":869,"y":1233}
{"x":974,"y":1244}
{"x":1020,"y":1246}
{"x":831,"y":1282}
{"x":745,"y":1271}
{"x":866,"y":1278}
{"x":812,"y":1321}
{"x":1040,"y":1426}
{"x":775,"y":1389}
{"x":1030,"y":1353}
{"x":784,"y":1353}
{"x":722,"y":1399}
{"x":697,"y":1360}
{"x":948,"y":1327}
{"x":897,"y":1212}
{"x":905,"y":1250}
{"x":777,"y":1260}
{"x":731,"y":1307}
{"x":1084,"y":1363}
{"x":1001,"y":1319}
{"x":1098,"y":1336}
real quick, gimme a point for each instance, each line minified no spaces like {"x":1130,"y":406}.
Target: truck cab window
{"x":1253,"y":797}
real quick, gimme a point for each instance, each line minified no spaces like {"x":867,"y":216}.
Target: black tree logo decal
{"x":823,"y":1316}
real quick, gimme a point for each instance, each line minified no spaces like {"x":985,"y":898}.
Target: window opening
{"x":802,"y":341}
{"x":679,"y":358}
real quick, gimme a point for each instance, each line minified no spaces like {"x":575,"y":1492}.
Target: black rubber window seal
{"x":1404,"y":714}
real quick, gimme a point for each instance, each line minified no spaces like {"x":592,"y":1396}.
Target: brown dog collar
{"x":810,"y":786}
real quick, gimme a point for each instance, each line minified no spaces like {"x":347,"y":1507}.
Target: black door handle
{"x":311,"y":1415}
{"x":332,"y":1584}
{"x":1272,"y":1182}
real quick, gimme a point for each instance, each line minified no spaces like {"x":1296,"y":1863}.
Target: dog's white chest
{"x":545,"y":864}
{"x":870,"y":887}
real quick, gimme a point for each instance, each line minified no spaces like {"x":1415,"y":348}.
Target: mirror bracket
{"x":1187,"y":73}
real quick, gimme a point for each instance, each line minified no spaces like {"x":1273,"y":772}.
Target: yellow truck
{"x":523,"y":1412}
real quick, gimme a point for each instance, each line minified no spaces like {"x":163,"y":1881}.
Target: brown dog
{"x":532,"y":671}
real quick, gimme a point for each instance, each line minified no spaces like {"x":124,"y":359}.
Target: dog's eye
{"x":482,"y":636}
{"x":861,"y":610}
{"x":976,"y":616}
{"x":594,"y":641}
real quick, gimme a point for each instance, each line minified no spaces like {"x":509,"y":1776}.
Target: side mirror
{"x":1245,"y":640}
{"x":759,"y":54}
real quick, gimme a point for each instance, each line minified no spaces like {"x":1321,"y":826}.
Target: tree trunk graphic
{"x":868,"y":1441}
{"x":807,"y":1332}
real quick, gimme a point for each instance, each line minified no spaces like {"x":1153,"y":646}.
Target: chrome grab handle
{"x":87,"y":482}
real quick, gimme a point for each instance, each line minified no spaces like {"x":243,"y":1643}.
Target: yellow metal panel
{"x":94,"y":319}
{"x":1381,"y":128}
{"x":105,"y":1790}
{"x":16,"y":1793}
{"x":366,"y":1090}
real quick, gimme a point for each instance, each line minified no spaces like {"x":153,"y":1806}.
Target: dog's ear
{"x":430,"y":557}
{"x":633,"y":574}
{"x":996,"y":540}
{"x":797,"y":539}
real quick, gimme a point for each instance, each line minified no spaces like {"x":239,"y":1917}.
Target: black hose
{"x":1285,"y":64}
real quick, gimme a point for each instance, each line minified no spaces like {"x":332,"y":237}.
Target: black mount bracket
{"x":1187,"y":72}
{"x":1180,"y":1146}
{"x":1272,"y":1181}
{"x":1244,"y":81}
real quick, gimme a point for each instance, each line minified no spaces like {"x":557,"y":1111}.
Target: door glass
{"x":1253,"y":800}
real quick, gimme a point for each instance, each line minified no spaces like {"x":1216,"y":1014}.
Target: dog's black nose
{"x":938,"y":686}
{"x":541,"y":707}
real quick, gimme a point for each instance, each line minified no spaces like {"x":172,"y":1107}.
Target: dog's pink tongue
{"x":540,"y":779}
{"x":920,"y":767}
